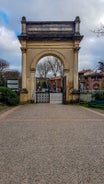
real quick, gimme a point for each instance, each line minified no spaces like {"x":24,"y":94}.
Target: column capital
{"x":23,"y":50}
{"x":32,"y":69}
{"x":76,"y":49}
{"x":66,"y":70}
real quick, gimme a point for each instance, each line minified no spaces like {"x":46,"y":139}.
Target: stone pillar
{"x":23,"y":68}
{"x":33,"y":85}
{"x":66,"y":73}
{"x":76,"y":68}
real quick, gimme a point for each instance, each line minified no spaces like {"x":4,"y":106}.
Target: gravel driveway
{"x":51,"y":144}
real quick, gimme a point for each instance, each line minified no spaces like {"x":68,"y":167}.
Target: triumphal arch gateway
{"x":56,"y":38}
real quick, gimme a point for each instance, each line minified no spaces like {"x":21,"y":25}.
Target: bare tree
{"x":56,"y":67}
{"x":101,"y":66}
{"x":3,"y":67}
{"x":99,"y":31}
{"x":12,"y":74}
{"x":43,"y":69}
{"x":49,"y":67}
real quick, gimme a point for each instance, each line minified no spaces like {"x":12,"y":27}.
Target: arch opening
{"x":49,"y":74}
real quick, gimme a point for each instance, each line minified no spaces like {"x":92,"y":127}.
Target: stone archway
{"x":58,"y":38}
{"x":36,"y":59}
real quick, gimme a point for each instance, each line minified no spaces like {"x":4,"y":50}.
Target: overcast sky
{"x":91,"y":13}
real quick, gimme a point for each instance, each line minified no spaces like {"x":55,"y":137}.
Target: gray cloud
{"x":91,"y":13}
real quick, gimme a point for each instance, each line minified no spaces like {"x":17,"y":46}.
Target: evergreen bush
{"x":8,"y":97}
{"x":98,"y":95}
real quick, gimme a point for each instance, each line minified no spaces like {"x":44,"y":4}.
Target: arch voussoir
{"x":49,"y":52}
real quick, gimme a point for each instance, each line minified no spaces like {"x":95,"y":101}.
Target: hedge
{"x":8,"y":97}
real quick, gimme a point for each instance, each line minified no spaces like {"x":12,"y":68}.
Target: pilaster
{"x":75,"y":73}
{"x":33,"y":88}
{"x":23,"y":67}
{"x":66,"y":73}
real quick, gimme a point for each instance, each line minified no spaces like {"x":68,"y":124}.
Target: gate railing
{"x":42,"y":97}
{"x":45,"y":97}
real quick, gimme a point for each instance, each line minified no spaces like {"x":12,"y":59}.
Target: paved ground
{"x":51,"y":144}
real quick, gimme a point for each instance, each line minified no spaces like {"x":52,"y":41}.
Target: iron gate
{"x":51,"y":97}
{"x":42,"y":97}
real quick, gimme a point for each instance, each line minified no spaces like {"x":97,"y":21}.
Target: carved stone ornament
{"x":76,"y":49}
{"x":66,"y":70}
{"x":32,"y":69}
{"x":23,"y":50}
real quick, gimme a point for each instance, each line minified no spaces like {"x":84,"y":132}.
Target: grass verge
{"x":3,"y":107}
{"x":92,"y":106}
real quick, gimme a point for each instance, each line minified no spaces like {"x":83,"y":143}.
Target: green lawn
{"x":3,"y":107}
{"x":93,"y":106}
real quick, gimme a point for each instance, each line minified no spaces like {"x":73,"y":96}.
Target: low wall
{"x":85,"y":97}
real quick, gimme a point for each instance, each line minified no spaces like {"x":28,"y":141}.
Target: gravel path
{"x":51,"y":144}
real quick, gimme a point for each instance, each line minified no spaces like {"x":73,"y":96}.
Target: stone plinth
{"x":23,"y":97}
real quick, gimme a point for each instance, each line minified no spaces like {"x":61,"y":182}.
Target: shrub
{"x":98,"y":95}
{"x":8,"y":97}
